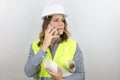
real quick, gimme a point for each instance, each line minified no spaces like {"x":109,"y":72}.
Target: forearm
{"x":80,"y":71}
{"x":33,"y":63}
{"x":76,"y":76}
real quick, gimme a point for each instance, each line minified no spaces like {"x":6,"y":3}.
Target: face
{"x":57,"y":22}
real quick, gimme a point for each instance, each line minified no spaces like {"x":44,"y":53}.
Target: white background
{"x":95,"y":24}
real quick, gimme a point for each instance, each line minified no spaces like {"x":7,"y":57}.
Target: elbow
{"x":28,"y":75}
{"x":83,"y":78}
{"x":27,"y":72}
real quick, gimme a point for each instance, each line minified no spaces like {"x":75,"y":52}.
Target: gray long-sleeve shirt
{"x":33,"y":62}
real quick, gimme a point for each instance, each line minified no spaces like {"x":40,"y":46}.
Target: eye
{"x":55,"y":20}
{"x":63,"y":20}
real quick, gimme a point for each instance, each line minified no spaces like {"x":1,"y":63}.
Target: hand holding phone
{"x":50,"y":33}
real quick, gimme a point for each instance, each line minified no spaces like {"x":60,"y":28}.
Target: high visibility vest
{"x":65,"y":51}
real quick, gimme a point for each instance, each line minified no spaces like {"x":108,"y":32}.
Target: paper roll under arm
{"x":71,"y":66}
{"x":52,"y":66}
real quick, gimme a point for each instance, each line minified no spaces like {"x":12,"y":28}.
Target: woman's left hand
{"x":56,"y":76}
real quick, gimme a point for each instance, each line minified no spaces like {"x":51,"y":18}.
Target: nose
{"x":61,"y":23}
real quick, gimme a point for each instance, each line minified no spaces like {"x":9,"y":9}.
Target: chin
{"x":60,"y":32}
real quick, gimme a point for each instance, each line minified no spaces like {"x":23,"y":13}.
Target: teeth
{"x":60,"y":28}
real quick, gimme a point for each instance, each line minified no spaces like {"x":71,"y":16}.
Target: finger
{"x":59,"y":70}
{"x":49,"y":29}
{"x":56,"y":32}
{"x":47,"y":69}
{"x":51,"y":73}
{"x":52,"y":31}
{"x":55,"y":36}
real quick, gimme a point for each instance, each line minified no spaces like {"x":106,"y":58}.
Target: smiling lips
{"x":59,"y":28}
{"x":57,"y":32}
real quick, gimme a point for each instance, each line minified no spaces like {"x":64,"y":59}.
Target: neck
{"x":53,"y":42}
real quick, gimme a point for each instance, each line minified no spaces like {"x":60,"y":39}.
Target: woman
{"x":54,"y":44}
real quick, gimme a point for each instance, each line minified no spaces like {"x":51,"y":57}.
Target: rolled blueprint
{"x":71,"y":66}
{"x":52,"y":66}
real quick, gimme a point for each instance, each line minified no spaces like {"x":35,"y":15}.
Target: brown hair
{"x":45,"y":24}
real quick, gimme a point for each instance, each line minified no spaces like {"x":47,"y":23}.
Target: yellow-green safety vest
{"x":64,"y":52}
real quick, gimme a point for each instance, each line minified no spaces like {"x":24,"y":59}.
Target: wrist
{"x":43,"y":48}
{"x":62,"y":78}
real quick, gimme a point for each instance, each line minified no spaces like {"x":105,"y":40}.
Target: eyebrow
{"x":58,"y":18}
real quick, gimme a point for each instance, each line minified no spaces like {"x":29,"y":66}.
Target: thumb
{"x":59,"y":70}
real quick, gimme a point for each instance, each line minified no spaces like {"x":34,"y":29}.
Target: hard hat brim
{"x":65,"y":15}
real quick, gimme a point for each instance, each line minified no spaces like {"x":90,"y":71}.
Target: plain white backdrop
{"x":95,"y":24}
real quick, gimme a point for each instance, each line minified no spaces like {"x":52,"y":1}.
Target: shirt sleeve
{"x":33,"y":62}
{"x":80,"y":71}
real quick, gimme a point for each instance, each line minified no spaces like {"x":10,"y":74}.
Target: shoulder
{"x":35,"y":43}
{"x":71,"y":40}
{"x":75,"y":43}
{"x":70,"y":43}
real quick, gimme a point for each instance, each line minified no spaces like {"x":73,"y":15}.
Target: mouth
{"x":56,"y":32}
{"x":59,"y":29}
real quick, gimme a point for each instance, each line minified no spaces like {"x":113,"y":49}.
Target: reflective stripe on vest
{"x":64,"y":52}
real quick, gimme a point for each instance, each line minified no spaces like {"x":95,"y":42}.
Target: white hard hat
{"x":53,"y":9}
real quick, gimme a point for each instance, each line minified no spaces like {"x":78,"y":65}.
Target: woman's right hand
{"x":48,"y":37}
